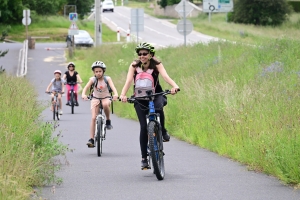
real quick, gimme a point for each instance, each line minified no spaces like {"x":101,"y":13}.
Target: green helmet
{"x":145,"y":46}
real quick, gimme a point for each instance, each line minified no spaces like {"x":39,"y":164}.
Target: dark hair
{"x":153,"y":62}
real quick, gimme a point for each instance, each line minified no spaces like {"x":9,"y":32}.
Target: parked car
{"x":83,"y":38}
{"x":108,"y":6}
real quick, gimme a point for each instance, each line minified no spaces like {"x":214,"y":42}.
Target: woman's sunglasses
{"x":144,"y":54}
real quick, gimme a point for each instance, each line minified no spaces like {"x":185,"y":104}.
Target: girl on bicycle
{"x":100,"y":90}
{"x":57,"y":86}
{"x":72,"y":76}
{"x":145,"y":62}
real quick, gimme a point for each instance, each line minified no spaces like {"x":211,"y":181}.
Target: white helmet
{"x":99,"y":64}
{"x":71,"y":63}
{"x":57,"y":71}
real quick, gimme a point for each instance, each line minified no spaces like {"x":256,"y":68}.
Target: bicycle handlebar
{"x":132,"y":99}
{"x":72,"y":83}
{"x":92,"y":97}
{"x":54,"y":91}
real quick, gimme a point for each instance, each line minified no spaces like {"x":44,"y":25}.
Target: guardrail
{"x":22,"y":64}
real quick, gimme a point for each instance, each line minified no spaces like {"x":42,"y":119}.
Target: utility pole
{"x":98,"y":23}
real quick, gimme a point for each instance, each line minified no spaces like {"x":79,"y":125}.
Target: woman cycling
{"x":72,"y":76}
{"x":147,"y":62}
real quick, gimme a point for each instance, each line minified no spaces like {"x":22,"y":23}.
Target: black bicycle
{"x":100,"y":126}
{"x":72,"y":95}
{"x":155,"y":141}
{"x":55,"y":105}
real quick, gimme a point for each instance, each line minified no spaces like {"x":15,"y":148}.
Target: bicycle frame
{"x":99,"y":136}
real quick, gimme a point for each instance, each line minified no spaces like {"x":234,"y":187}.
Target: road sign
{"x":73,"y":16}
{"x":26,"y":13}
{"x":217,"y":5}
{"x":24,"y":21}
{"x":73,"y":26}
{"x":185,"y":28}
{"x":137,"y":20}
{"x":184,"y":8}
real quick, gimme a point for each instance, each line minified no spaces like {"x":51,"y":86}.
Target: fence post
{"x":118,"y":34}
{"x":128,"y":36}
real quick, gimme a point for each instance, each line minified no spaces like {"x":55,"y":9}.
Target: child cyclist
{"x":57,"y":86}
{"x":72,"y":76}
{"x":100,"y":90}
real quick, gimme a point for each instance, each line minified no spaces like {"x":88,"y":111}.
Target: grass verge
{"x":27,"y":146}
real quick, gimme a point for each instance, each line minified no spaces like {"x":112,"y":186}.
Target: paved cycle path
{"x":191,"y":172}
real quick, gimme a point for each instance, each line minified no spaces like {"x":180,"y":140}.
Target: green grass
{"x":55,"y":27}
{"x":237,"y":100}
{"x":27,"y":146}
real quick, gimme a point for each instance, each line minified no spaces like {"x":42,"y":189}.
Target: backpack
{"x":95,"y":83}
{"x":143,"y":82}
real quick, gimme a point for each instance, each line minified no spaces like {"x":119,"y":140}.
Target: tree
{"x":260,"y":12}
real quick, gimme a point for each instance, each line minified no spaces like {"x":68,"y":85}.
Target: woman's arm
{"x":64,"y":77}
{"x":129,"y":80}
{"x":79,"y":78}
{"x":165,"y":75}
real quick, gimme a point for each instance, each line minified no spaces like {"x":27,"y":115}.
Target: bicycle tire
{"x":72,"y":102}
{"x":156,"y":154}
{"x":99,"y":136}
{"x":54,"y":111}
{"x":57,"y":113}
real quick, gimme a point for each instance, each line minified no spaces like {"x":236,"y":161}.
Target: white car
{"x":83,"y":39}
{"x":108,"y":6}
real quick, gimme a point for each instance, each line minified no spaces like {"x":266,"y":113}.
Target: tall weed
{"x":27,"y":146}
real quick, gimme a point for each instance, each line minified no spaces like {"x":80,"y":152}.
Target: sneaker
{"x":90,"y":143}
{"x":108,"y":125}
{"x":67,"y":104}
{"x":144,"y":163}
{"x":166,"y":137}
{"x":60,"y":112}
{"x":76,"y":103}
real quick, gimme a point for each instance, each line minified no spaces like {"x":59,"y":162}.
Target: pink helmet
{"x":57,"y":71}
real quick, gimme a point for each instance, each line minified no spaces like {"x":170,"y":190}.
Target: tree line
{"x":12,"y":10}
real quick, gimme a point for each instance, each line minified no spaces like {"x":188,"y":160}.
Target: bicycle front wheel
{"x":157,"y":155}
{"x":72,"y":102}
{"x":57,"y":113}
{"x":54,"y":111}
{"x":99,"y":136}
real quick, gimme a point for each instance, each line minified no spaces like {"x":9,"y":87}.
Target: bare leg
{"x":93,"y":122}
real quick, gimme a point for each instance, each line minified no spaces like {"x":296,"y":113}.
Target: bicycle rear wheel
{"x":157,"y":155}
{"x":72,"y":102}
{"x":99,"y":136}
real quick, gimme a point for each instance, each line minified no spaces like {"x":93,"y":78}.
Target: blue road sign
{"x":73,"y":16}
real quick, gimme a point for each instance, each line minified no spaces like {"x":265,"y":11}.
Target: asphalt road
{"x":191,"y":172}
{"x":160,"y":33}
{"x":10,"y":61}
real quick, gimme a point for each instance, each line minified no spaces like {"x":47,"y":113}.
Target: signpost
{"x":184,"y":26}
{"x":26,"y":20}
{"x":137,"y":21}
{"x":73,"y":29}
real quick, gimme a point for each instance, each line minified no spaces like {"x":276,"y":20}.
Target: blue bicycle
{"x":155,"y":141}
